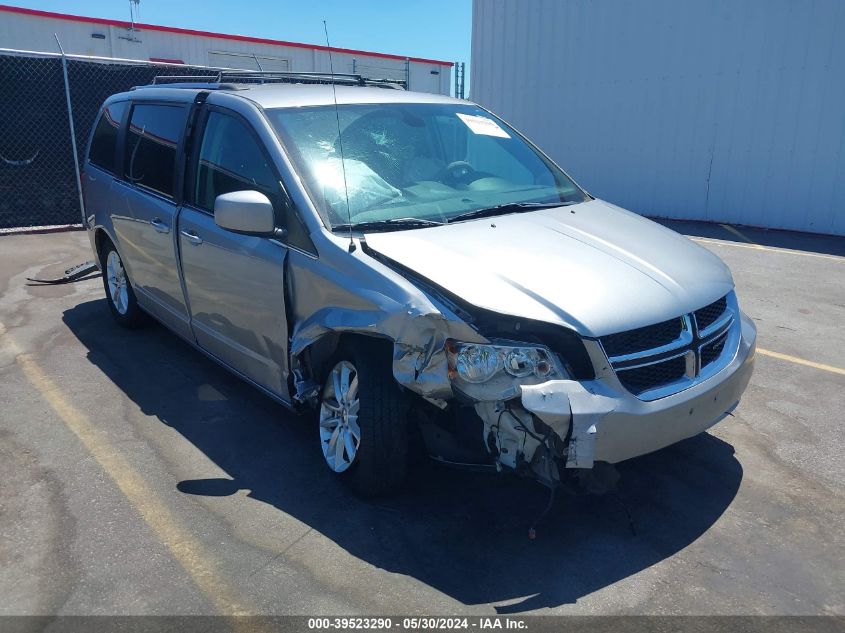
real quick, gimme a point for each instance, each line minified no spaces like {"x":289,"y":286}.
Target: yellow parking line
{"x":740,"y":235}
{"x":188,"y":551}
{"x":788,"y":251}
{"x":801,"y":361}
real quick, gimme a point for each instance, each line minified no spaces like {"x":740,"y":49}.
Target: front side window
{"x":431,"y":162}
{"x":153,"y":134}
{"x":104,"y":141}
{"x":231,"y":160}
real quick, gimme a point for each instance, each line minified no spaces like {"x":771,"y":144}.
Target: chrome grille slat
{"x":713,"y":349}
{"x":717,"y":324}
{"x":644,"y":377}
{"x":709,"y":314}
{"x":697,"y":341}
{"x":683,"y":339}
{"x":644,"y":338}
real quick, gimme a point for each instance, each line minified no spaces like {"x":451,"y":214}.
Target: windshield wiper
{"x":510,"y":207}
{"x":390,"y":223}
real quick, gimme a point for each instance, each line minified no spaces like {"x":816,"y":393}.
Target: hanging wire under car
{"x":80,"y":272}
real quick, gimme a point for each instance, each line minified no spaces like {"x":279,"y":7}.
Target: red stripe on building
{"x":222,"y":36}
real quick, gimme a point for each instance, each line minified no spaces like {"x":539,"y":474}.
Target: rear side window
{"x":151,"y":140}
{"x":104,"y":141}
{"x":232,"y":160}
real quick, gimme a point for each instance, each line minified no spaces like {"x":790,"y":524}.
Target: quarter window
{"x":154,"y":132}
{"x":232,"y":160}
{"x":104,"y":141}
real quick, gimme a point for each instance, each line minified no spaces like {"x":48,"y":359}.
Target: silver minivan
{"x":405,"y":265}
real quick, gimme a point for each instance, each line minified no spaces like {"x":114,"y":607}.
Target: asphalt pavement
{"x":140,"y":478}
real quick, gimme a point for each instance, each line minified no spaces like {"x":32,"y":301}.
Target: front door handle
{"x":192,"y":237}
{"x":160,"y":226}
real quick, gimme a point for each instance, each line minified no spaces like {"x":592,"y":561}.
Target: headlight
{"x":495,"y":372}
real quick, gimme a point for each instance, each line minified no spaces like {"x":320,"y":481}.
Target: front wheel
{"x":119,"y":292}
{"x":363,"y":422}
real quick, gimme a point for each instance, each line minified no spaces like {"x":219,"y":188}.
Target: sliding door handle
{"x":160,"y":226}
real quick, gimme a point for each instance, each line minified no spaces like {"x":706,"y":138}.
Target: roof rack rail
{"x":224,"y":79}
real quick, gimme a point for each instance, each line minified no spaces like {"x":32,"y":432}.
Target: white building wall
{"x":712,"y":110}
{"x":35,"y":33}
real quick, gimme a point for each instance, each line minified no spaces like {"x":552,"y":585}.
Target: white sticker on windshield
{"x":482,"y":125}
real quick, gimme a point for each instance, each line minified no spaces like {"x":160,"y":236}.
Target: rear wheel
{"x":119,"y":292}
{"x":363,"y":425}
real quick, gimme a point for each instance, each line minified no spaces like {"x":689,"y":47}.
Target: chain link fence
{"x":37,"y":179}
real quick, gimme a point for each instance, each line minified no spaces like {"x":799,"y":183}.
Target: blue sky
{"x":437,"y":29}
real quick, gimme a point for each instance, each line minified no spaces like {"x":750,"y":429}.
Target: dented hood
{"x":593,"y":267}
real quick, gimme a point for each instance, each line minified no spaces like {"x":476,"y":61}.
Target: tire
{"x":380,"y":459}
{"x":119,"y":293}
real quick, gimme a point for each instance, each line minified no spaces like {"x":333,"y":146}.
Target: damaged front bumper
{"x":563,"y":424}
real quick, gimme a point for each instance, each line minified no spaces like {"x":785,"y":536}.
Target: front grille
{"x":642,"y":338}
{"x":708,"y":315}
{"x":648,"y":377}
{"x":694,"y":341}
{"x":713,"y":350}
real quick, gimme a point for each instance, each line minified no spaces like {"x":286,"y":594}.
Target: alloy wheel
{"x":340,"y":435}
{"x":116,"y":277}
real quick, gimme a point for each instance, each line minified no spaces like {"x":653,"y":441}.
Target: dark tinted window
{"x":104,"y":141}
{"x":232,"y":160}
{"x":154,"y":132}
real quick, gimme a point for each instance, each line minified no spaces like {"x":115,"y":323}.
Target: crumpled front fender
{"x":391,"y":309}
{"x":419,"y":356}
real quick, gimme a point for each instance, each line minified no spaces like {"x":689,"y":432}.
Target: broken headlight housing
{"x":496,"y":372}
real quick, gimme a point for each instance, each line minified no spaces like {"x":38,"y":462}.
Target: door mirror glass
{"x":248,"y":212}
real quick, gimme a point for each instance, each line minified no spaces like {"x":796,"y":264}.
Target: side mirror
{"x":247,"y":212}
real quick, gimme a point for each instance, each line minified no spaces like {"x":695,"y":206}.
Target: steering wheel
{"x":460,"y":171}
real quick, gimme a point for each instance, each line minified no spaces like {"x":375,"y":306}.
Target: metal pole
{"x":407,"y":73}
{"x":72,"y":133}
{"x":258,"y":63}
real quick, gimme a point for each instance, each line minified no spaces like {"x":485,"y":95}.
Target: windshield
{"x":423,"y":162}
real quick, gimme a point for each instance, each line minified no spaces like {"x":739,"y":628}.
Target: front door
{"x":147,"y":239}
{"x":234,"y":283}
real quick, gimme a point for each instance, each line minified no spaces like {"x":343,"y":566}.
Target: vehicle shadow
{"x":462,"y":533}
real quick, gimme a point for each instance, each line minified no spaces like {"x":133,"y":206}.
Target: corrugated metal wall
{"x":719,"y":110}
